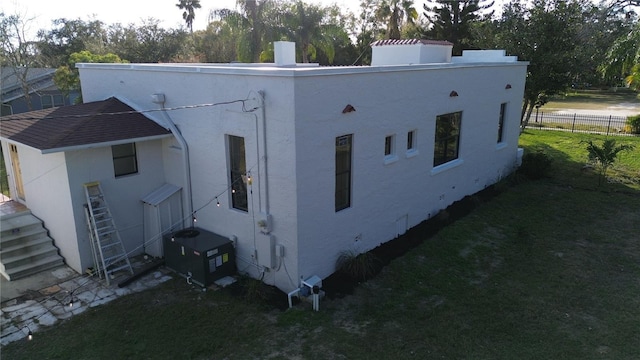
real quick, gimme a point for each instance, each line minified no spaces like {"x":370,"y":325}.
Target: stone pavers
{"x":58,"y":302}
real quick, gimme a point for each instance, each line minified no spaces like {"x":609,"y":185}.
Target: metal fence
{"x":599,"y":124}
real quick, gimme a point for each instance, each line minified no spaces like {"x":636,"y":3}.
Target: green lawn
{"x":548,"y":269}
{"x":590,"y":100}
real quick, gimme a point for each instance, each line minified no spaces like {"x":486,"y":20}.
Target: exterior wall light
{"x":453,"y":94}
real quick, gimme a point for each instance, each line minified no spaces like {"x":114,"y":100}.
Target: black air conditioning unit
{"x":199,"y":255}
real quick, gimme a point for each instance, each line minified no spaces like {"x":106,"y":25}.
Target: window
{"x":388,"y":145}
{"x":124,"y":159}
{"x":411,"y":140}
{"x":503,"y":108}
{"x":447,"y":140}
{"x":238,"y":169}
{"x":343,"y":172}
{"x":7,"y":109}
{"x":49,"y":101}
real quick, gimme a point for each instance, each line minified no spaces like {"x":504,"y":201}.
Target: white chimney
{"x":284,"y":53}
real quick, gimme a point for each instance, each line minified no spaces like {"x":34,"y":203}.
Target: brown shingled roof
{"x":409,"y":42}
{"x":85,"y":124}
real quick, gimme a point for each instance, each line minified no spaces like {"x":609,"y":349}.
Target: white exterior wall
{"x":205,"y":130}
{"x":410,"y":54}
{"x":46,"y":191}
{"x":123,"y":194}
{"x":302,"y":118}
{"x":409,"y":190}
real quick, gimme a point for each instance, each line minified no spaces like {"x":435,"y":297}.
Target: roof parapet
{"x":410,"y":51}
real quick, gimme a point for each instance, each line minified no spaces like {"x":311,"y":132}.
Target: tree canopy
{"x":566,"y":42}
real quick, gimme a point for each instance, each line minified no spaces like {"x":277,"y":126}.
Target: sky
{"x":129,"y":11}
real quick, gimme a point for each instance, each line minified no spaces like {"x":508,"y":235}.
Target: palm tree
{"x":304,"y":24}
{"x":189,"y":13}
{"x":604,"y":156}
{"x":395,"y":13}
{"x":254,"y":19}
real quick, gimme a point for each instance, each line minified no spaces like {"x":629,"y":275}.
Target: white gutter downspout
{"x":264,"y":153}
{"x":160,"y":99}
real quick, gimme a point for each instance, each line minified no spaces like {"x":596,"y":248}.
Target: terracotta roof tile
{"x":67,"y":126}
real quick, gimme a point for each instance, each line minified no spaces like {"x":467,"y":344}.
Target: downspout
{"x":160,"y":99}
{"x":264,"y":152}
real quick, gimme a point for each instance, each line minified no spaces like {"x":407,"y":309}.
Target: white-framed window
{"x":503,"y":109}
{"x":390,"y":149}
{"x":412,"y":143}
{"x":343,"y":171}
{"x":411,"y":140}
{"x":125,"y":160}
{"x":447,"y":138}
{"x":238,"y":170}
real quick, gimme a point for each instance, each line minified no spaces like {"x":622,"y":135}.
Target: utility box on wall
{"x":199,"y":255}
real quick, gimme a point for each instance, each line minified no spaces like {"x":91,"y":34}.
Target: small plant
{"x":535,"y":165}
{"x":633,"y":124}
{"x":604,"y":156}
{"x":359,"y":267}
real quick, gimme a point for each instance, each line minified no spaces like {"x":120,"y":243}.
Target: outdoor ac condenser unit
{"x":199,"y":255}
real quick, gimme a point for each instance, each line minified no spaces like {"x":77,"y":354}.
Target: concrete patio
{"x":41,"y":300}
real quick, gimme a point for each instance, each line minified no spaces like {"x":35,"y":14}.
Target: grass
{"x":590,"y":100}
{"x":546,"y":270}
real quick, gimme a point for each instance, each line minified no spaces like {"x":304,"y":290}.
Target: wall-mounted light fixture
{"x":453,"y":94}
{"x":508,"y":86}
{"x":349,"y":108}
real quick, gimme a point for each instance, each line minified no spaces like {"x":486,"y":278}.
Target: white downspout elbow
{"x":160,"y":99}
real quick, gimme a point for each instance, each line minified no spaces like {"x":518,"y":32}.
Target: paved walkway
{"x":55,"y":295}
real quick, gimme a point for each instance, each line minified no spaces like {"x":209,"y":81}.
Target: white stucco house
{"x":296,"y":163}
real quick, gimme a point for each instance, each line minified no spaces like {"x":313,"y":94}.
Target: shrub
{"x":633,"y":122}
{"x":358,"y":267}
{"x":604,"y":156}
{"x":535,"y":165}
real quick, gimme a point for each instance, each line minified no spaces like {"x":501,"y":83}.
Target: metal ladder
{"x":109,"y":254}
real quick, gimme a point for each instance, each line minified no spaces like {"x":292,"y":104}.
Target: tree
{"x":395,"y":13}
{"x":70,"y":36}
{"x":219,"y":42}
{"x":452,"y":20}
{"x":148,"y":43}
{"x":189,"y":13}
{"x":623,"y":55}
{"x":604,"y":156}
{"x":308,"y":26}
{"x":633,"y":80}
{"x":67,"y":77}
{"x":19,"y":54}
{"x":546,"y":35}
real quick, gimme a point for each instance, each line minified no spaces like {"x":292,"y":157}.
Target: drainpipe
{"x":264,"y":153}
{"x":160,"y":99}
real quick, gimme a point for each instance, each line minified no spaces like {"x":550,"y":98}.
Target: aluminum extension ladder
{"x":109,"y":254}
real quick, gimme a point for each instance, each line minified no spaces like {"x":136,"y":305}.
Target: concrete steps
{"x":25,"y":246}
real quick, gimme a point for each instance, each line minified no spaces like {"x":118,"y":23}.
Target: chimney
{"x":284,"y":53}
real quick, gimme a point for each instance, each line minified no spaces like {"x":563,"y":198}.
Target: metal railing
{"x":584,"y":123}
